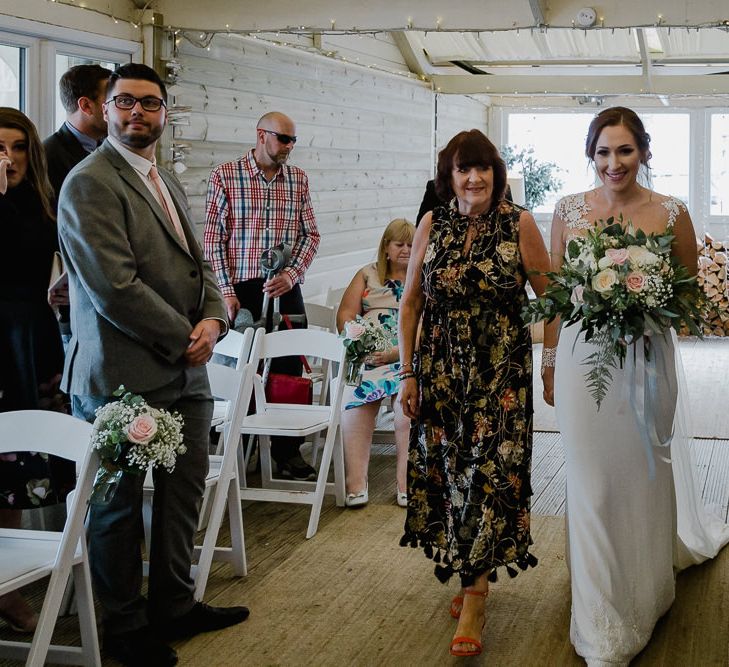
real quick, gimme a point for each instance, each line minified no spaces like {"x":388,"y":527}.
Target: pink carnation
{"x":142,"y":429}
{"x":617,"y":255}
{"x":635,"y":281}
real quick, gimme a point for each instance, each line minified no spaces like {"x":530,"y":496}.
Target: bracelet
{"x":407,"y":376}
{"x":549,"y":358}
{"x":406,"y":363}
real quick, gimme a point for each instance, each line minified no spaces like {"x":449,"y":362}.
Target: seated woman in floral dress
{"x":375,"y":293}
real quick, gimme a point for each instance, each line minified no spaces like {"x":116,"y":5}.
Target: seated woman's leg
{"x":358,"y":424}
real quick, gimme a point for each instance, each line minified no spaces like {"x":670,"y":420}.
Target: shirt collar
{"x":137,"y":162}
{"x":88,"y":144}
{"x":254,"y":170}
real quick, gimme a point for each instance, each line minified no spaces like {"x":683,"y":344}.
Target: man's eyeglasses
{"x":285,"y":139}
{"x":127,"y":102}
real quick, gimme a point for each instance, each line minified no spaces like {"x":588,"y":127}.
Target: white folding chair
{"x":233,"y":350}
{"x":325,"y":318}
{"x":321,"y":317}
{"x":234,"y":386}
{"x":279,"y":419}
{"x":27,"y":555}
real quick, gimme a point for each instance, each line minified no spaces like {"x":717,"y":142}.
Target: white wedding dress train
{"x":630,"y":522}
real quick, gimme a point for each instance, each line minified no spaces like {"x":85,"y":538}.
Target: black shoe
{"x":139,"y":648}
{"x":296,"y":468}
{"x":202,"y":618}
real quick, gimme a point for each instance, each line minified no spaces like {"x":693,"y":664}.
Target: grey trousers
{"x":115,"y":529}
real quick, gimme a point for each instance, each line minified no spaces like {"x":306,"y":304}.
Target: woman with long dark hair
{"x":31,"y":352}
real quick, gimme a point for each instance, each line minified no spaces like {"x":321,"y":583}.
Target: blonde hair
{"x":399,"y":230}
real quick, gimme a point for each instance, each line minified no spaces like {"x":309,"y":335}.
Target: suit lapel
{"x":134,"y":180}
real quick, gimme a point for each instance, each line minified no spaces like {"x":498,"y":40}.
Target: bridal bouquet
{"x":131,"y":436}
{"x":620,"y":284}
{"x":362,"y":337}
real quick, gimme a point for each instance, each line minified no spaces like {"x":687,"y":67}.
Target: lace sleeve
{"x":674,"y":207}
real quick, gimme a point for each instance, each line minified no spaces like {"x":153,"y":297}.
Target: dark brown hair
{"x":81,"y":81}
{"x":136,"y":71}
{"x":470,"y":148}
{"x":37,"y":173}
{"x":619,"y":116}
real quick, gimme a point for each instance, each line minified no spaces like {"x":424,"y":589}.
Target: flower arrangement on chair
{"x":131,"y":436}
{"x":622,"y":285}
{"x":361,"y":338}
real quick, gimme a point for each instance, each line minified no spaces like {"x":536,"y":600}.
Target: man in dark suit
{"x":145,"y":312}
{"x":83,"y":92}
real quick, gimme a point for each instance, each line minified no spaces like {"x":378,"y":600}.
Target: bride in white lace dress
{"x":633,"y":516}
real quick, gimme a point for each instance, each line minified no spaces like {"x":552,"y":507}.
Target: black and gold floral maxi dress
{"x":469,"y":463}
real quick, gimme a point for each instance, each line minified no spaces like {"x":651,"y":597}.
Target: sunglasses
{"x":285,"y":139}
{"x":127,"y":102}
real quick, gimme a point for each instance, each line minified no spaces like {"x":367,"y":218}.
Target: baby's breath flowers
{"x":131,"y":436}
{"x":620,"y":284}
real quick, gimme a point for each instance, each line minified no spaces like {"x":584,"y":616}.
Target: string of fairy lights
{"x":301,"y":36}
{"x":438,"y":25}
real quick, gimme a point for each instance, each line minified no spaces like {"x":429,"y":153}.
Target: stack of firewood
{"x":713,"y":279}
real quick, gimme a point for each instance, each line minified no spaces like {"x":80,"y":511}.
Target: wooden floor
{"x":279,"y":555}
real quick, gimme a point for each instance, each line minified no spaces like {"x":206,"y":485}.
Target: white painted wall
{"x":365,"y":138}
{"x":456,"y":113}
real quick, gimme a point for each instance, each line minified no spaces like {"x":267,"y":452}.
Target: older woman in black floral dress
{"x":467,"y":384}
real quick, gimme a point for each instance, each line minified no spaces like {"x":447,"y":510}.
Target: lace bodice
{"x":574,"y":210}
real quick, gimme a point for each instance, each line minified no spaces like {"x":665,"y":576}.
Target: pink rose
{"x":635,"y":281}
{"x":617,"y":255}
{"x":142,"y":429}
{"x":354,"y":330}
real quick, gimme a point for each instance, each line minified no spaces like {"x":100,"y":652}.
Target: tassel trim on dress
{"x":444,"y":569}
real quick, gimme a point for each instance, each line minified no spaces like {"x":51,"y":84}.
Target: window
{"x":670,"y":142}
{"x":557,"y":138}
{"x":719,"y":167}
{"x":34,"y":55}
{"x":11,"y":76}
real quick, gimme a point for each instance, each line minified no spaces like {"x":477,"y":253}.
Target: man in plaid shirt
{"x":253,"y":204}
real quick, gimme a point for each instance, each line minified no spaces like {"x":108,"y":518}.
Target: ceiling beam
{"x":417,"y":63}
{"x":537,"y":12}
{"x":645,"y":59}
{"x":580,"y":85}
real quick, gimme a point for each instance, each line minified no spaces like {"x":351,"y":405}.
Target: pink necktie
{"x":171,"y":215}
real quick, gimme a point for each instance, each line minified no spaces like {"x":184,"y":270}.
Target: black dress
{"x":31,"y":352}
{"x":469,"y":462}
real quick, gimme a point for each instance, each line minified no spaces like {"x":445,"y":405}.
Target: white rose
{"x":640,"y":256}
{"x":603,"y":282}
{"x":604,"y":263}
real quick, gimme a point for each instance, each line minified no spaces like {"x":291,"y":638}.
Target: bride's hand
{"x":548,"y":382}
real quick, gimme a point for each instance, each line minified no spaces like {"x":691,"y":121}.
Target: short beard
{"x":140,"y":140}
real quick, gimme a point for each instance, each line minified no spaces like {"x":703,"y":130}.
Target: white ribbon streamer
{"x":652,"y":387}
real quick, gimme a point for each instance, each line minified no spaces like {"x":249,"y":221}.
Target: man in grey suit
{"x":146,"y":313}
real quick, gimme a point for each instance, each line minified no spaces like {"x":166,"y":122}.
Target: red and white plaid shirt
{"x":245,"y":215}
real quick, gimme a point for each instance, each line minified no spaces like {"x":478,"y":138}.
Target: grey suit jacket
{"x":135,"y":291}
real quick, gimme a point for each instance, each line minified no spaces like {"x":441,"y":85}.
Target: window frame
{"x":41,"y":43}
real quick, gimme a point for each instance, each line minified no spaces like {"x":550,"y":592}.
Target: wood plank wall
{"x":365,"y":138}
